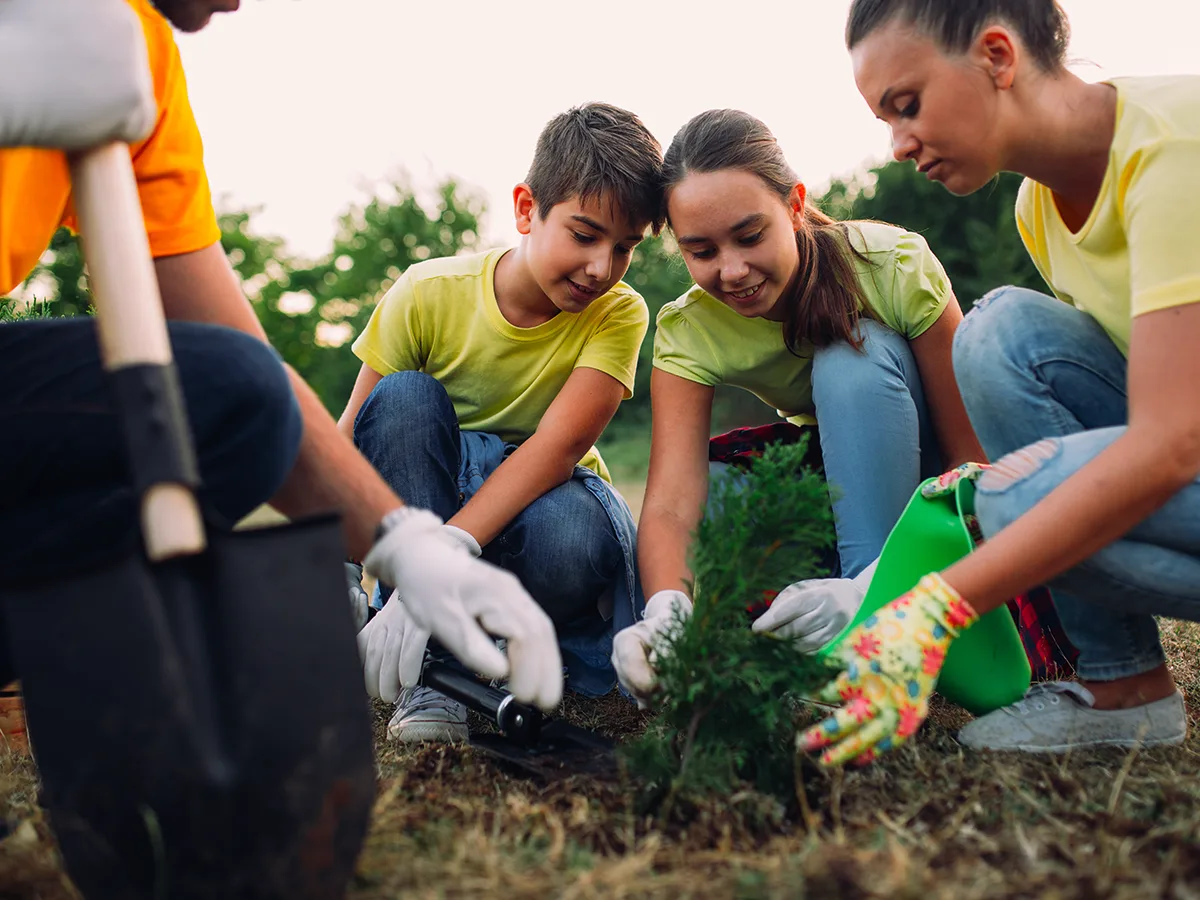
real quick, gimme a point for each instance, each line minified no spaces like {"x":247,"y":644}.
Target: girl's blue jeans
{"x":1044,"y":387}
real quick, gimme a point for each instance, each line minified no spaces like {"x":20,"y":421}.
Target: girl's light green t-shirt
{"x":699,"y":338}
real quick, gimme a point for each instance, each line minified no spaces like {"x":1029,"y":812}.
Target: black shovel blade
{"x":201,"y":725}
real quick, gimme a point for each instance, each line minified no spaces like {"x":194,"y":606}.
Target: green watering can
{"x":986,"y":666}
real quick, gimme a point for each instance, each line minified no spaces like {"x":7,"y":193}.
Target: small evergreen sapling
{"x":724,"y":716}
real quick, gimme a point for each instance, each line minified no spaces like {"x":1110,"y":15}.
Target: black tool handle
{"x":516,"y":720}
{"x":136,"y":350}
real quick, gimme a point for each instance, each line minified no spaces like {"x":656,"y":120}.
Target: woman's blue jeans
{"x":1045,"y":390}
{"x":562,"y":546}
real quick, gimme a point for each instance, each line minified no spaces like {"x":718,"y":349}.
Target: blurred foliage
{"x":975,"y":237}
{"x":313,"y":310}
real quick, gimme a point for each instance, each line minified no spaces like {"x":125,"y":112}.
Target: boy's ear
{"x":795,"y":202}
{"x":524,"y":207}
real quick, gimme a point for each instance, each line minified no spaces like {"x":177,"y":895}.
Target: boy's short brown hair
{"x":599,"y":150}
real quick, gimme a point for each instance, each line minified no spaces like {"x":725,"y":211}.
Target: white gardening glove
{"x":814,"y":612}
{"x":392,"y":649}
{"x":635,"y":647}
{"x":360,"y":603}
{"x":464,"y":602}
{"x":73,"y":74}
{"x":465,"y":538}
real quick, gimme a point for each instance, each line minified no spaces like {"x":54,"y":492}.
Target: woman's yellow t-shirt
{"x":701,"y":339}
{"x":1136,"y":253}
{"x":441,"y":318}
{"x":35,"y":187}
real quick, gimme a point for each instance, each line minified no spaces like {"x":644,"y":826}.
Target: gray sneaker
{"x":422,"y":714}
{"x":1057,"y":716}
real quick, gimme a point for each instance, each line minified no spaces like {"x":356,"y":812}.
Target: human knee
{"x":403,"y":403}
{"x":565,"y":542}
{"x":844,"y":372}
{"x":257,"y":433}
{"x":994,"y":336}
{"x":1010,"y":486}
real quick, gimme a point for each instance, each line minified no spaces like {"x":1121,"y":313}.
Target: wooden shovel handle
{"x":129,"y":316}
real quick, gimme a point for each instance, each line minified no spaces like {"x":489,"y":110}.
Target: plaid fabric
{"x":1051,"y":654}
{"x":740,"y":446}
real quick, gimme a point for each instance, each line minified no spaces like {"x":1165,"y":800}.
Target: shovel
{"x":200,"y":719}
{"x":527,"y":740}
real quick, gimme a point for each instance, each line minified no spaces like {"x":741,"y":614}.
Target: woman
{"x":844,"y":325}
{"x":1092,"y":399}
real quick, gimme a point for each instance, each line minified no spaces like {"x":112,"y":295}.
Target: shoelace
{"x":1038,"y":694}
{"x":423,"y":699}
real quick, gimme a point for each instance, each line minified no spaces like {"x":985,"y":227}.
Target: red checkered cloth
{"x":1051,"y":654}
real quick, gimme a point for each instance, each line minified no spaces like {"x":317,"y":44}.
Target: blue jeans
{"x":877,"y":440}
{"x":67,"y":502}
{"x":1044,"y":387}
{"x":562,"y":546}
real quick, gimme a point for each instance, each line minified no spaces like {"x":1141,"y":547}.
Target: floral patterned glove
{"x":892,"y":663}
{"x":947,"y":481}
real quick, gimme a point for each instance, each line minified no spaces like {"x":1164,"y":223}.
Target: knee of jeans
{"x":405,"y":403}
{"x":998,"y":327}
{"x":567,"y":539}
{"x":841,"y":371}
{"x":261,"y":400}
{"x":996,"y":504}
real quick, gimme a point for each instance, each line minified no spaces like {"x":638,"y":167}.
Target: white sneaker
{"x":422,"y":714}
{"x":1057,"y":716}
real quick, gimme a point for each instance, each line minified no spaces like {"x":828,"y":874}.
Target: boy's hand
{"x":73,"y":74}
{"x":360,"y":603}
{"x":892,"y":663}
{"x":463,"y":602}
{"x":634,"y":647}
{"x":814,"y":612}
{"x":392,"y":648}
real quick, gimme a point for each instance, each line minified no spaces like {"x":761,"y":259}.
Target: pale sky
{"x":305,"y":105}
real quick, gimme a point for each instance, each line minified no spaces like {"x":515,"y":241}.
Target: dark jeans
{"x":562,"y":546}
{"x":67,"y":503}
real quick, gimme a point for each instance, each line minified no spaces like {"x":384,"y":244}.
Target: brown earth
{"x":931,"y":821}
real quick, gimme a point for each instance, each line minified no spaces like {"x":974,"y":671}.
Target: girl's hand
{"x":892,"y":663}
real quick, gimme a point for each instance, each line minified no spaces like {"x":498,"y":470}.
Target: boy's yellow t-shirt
{"x":177,"y":207}
{"x":701,"y":339}
{"x":1136,"y":253}
{"x":441,"y":318}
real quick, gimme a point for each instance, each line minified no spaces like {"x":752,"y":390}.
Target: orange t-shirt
{"x":35,"y":190}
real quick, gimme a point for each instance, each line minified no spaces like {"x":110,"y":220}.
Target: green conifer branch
{"x":724,"y":719}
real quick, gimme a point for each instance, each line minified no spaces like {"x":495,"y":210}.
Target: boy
{"x":486,"y":379}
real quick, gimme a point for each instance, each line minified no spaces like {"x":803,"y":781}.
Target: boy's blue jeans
{"x":68,"y":502}
{"x":562,"y":546}
{"x":1043,"y":382}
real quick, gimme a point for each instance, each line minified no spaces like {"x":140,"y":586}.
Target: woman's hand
{"x":892,"y":663}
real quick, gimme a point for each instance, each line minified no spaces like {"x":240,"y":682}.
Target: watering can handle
{"x":135,"y":349}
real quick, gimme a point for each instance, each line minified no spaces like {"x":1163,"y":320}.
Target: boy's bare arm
{"x":363,"y":385}
{"x":329,"y":473}
{"x":567,"y":431}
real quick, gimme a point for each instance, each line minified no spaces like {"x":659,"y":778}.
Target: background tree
{"x":975,"y":237}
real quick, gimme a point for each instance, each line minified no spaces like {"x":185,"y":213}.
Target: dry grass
{"x":931,"y":821}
